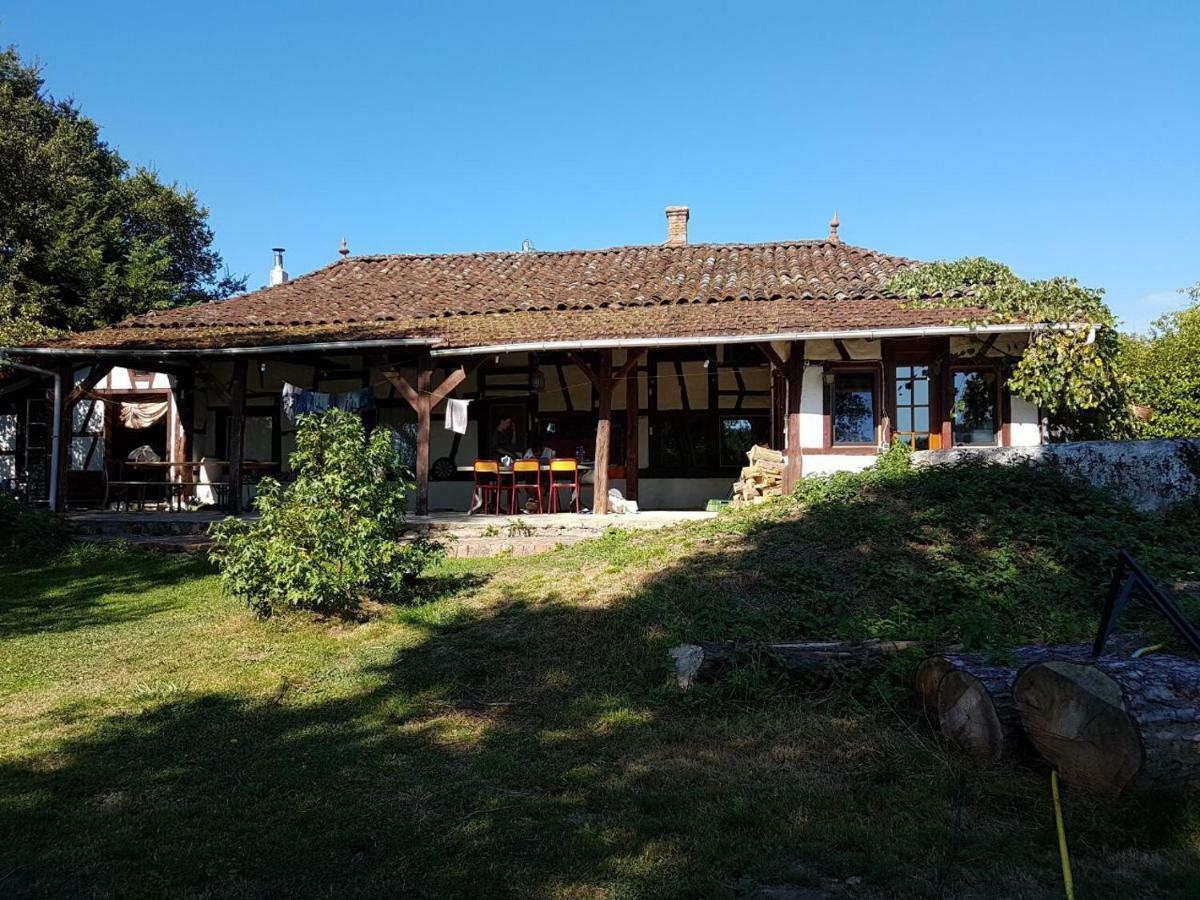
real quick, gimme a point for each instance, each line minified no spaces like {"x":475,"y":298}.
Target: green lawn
{"x":515,"y":732}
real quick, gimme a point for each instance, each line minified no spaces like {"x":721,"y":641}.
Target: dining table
{"x":208,"y":476}
{"x":585,"y":475}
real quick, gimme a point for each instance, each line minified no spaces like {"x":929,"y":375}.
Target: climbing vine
{"x":1070,"y":368}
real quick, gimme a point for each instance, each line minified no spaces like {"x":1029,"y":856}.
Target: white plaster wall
{"x":1024,"y":431}
{"x":812,"y":407}
{"x":828,"y":463}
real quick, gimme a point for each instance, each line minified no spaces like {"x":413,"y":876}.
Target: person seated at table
{"x":539,"y":451}
{"x":504,"y":439}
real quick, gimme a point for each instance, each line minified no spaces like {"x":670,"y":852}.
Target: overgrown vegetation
{"x":517,"y":732}
{"x":27,"y":533}
{"x":1071,"y":368}
{"x":1164,"y":368}
{"x":334,"y":537}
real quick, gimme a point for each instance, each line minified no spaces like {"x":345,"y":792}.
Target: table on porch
{"x":585,"y":476}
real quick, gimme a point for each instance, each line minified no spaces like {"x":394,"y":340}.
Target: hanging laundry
{"x":298,"y":401}
{"x":456,"y":415}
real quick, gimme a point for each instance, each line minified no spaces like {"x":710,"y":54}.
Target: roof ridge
{"x":620,"y":248}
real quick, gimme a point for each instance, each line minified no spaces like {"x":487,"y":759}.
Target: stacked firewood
{"x":761,"y":479}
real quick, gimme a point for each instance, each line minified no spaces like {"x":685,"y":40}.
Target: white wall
{"x":1025,"y":430}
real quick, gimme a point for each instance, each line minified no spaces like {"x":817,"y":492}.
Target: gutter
{"x":869,"y":334}
{"x":151,"y":353}
{"x":56,"y":433}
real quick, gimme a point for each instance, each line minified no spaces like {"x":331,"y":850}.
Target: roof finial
{"x":833,"y":227}
{"x":344,"y":250}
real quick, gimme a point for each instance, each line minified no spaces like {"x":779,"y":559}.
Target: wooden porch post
{"x":795,"y":387}
{"x":423,"y":409}
{"x":66,"y":372}
{"x":423,"y":401}
{"x":603,"y":379}
{"x":604,"y":387}
{"x":631,"y":435}
{"x":237,"y":433}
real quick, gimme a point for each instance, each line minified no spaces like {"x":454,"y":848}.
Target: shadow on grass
{"x":87,"y":586}
{"x":533,"y":746}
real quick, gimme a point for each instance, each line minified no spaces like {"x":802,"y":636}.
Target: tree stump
{"x":1113,"y":726}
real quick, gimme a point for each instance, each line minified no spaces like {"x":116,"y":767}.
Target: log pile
{"x":709,"y":661}
{"x":761,"y":479}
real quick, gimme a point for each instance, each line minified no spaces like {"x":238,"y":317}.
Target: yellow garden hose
{"x":1068,"y":884}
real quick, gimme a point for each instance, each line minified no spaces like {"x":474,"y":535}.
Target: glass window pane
{"x":903,"y":389}
{"x":921,"y":418}
{"x":921,"y":390}
{"x":920,"y":371}
{"x":739,"y":434}
{"x":973,"y":415}
{"x":920,"y":442}
{"x":854,"y":408}
{"x":904,"y":419}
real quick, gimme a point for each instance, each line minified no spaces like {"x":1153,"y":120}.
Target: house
{"x":662,"y":363}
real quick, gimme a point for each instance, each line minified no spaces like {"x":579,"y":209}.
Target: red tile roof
{"x":479,"y":299}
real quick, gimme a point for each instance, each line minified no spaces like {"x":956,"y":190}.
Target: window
{"x":680,"y":443}
{"x":912,"y":406}
{"x":8,"y":452}
{"x":739,"y":434}
{"x":973,"y":416}
{"x":852,"y":416}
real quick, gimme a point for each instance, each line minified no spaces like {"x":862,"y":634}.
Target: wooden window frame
{"x":835,"y":368}
{"x":1000,"y":431}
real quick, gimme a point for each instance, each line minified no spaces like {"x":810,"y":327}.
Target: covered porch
{"x":667,"y":425}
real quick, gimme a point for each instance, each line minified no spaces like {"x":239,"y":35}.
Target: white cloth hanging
{"x":142,"y":415}
{"x":456,"y":415}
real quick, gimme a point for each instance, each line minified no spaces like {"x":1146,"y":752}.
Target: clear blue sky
{"x":1060,"y":138}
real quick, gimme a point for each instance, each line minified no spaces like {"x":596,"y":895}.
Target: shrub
{"x":26,"y":532}
{"x":334,"y":536}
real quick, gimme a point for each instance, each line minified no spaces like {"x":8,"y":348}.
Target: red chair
{"x":570,"y":468}
{"x":486,"y":474}
{"x":522,"y":469}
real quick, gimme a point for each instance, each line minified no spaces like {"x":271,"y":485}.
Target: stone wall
{"x":1149,"y":475}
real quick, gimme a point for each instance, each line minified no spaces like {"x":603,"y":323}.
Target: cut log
{"x":708,"y":661}
{"x":1113,"y":726}
{"x":968,"y":698}
{"x":975,"y":712}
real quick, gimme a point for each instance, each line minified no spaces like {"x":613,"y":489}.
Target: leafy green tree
{"x":84,"y":241}
{"x":1070,"y":369}
{"x":332,"y":538}
{"x":1165,"y":370}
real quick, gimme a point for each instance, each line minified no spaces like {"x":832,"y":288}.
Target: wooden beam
{"x":604,"y":384}
{"x":423,"y":406}
{"x":841,"y":349}
{"x":580,"y":363}
{"x":795,"y":388}
{"x":211,"y":384}
{"x":987,"y":345}
{"x":66,"y":372}
{"x":97,"y":374}
{"x":770,"y":353}
{"x":403,"y":388}
{"x":632,"y":420}
{"x":453,"y":380}
{"x":630,"y":364}
{"x":237,"y":433}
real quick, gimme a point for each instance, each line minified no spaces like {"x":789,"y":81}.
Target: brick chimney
{"x":677,"y":219}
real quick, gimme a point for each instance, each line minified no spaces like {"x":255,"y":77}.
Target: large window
{"x":973,"y":416}
{"x":852,"y":411}
{"x":912,"y":406}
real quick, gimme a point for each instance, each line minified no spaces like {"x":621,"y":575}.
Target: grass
{"x":515,"y":732}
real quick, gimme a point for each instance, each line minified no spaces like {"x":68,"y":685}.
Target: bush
{"x":26,"y":532}
{"x":333,"y":537}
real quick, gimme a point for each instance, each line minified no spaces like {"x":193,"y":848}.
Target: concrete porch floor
{"x":464,"y":535}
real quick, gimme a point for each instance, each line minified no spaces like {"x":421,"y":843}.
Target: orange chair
{"x":569,"y":467}
{"x":486,"y":475}
{"x":526,"y":468}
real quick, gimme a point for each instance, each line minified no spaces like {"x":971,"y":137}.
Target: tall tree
{"x":85,"y":241}
{"x":1165,"y":369}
